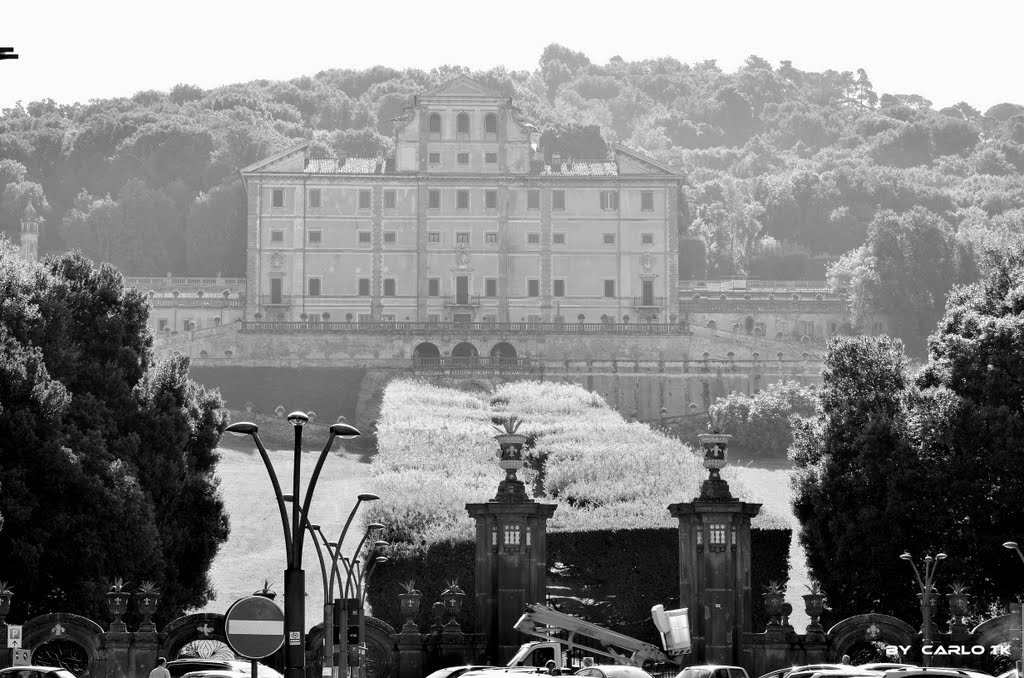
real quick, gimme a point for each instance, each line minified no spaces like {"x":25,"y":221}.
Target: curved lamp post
{"x":1012,"y":545}
{"x":340,"y":653}
{"x":358,"y":578}
{"x":329,"y":575}
{"x":927,"y":585}
{"x":294,"y":531}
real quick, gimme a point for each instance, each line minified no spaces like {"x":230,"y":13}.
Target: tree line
{"x":787,"y":171}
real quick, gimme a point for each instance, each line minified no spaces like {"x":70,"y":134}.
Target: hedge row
{"x":609,"y":577}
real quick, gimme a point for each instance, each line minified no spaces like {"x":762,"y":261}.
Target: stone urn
{"x":814,"y":605}
{"x":958,"y":601}
{"x":933,"y":602}
{"x":453,"y":597}
{"x":510,"y":459}
{"x":117,"y":601}
{"x":774,"y":596}
{"x":409,"y":601}
{"x":715,"y":447}
{"x":147,"y":598}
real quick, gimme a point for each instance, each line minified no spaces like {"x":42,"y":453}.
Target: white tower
{"x":30,"y":233}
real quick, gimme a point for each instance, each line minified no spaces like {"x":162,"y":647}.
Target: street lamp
{"x":1020,"y":665}
{"x":927,"y":586}
{"x":358,"y":578}
{"x":294,"y":532}
{"x":329,"y":577}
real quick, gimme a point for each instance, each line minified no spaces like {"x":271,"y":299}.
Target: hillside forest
{"x":788,"y":174}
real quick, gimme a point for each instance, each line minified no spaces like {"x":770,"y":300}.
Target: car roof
{"x":618,"y":670}
{"x":33,"y":667}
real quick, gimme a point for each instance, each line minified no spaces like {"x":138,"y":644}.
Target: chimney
{"x":378,"y":168}
{"x":556,"y":163}
{"x":568,"y":163}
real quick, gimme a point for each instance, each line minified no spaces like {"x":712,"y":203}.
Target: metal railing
{"x":194,"y":302}
{"x":625,"y":329}
{"x":462,"y":300}
{"x":746,"y":285}
{"x":168,"y":281}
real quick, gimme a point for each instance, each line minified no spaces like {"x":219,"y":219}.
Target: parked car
{"x":784,"y":672}
{"x":935,"y":672}
{"x":456,"y":671}
{"x":613,"y":671}
{"x":212,"y":673}
{"x":35,"y":672}
{"x":179,"y":667}
{"x":1012,"y":673}
{"x":713,"y":671}
{"x":885,"y":666}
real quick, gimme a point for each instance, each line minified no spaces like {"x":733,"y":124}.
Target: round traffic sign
{"x":254,"y":627}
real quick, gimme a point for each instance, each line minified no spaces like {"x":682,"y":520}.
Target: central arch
{"x":426,"y":350}
{"x":504,"y":352}
{"x":465,"y":353}
{"x":852,"y":632}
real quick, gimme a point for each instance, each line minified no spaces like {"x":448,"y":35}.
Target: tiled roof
{"x":584,"y":168}
{"x":334,"y":166}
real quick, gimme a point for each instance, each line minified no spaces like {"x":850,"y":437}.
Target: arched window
{"x":435,"y":123}
{"x":491,"y":123}
{"x":462,"y":123}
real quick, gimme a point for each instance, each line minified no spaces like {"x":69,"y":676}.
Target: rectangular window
{"x":609,"y":200}
{"x":433,"y":287}
{"x":390,"y":236}
{"x":277,"y":197}
{"x":558,"y":238}
{"x":462,"y":200}
{"x":364,"y":287}
{"x":609,"y":238}
{"x":462,"y":158}
{"x":490,"y":158}
{"x":434,"y":158}
{"x":533,"y":199}
{"x":647,"y":201}
{"x":434,"y":202}
{"x":366,"y":317}
{"x":389,"y":287}
{"x":558,"y":288}
{"x":364,"y":237}
{"x":389,"y":199}
{"x":533,"y":238}
{"x":161,"y":324}
{"x":491,"y":200}
{"x":491,"y":238}
{"x":316,"y":237}
{"x":558,"y":200}
{"x":314,"y":197}
{"x":462,"y":238}
{"x":646,"y":238}
{"x":364,"y":200}
{"x":277,"y":236}
{"x":609,"y":288}
{"x":314,"y":287}
{"x":433,"y":317}
{"x":490,"y":287}
{"x":315,"y":318}
{"x":434,"y":236}
{"x":533,"y":287}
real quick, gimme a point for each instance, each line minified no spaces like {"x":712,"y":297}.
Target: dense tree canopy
{"x":893,"y":463}
{"x":107,"y":459}
{"x":760,"y":424}
{"x":785,"y":169}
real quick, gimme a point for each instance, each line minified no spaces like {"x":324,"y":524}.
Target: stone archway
{"x":464,"y":352}
{"x":191,"y":627}
{"x":381,"y":651}
{"x":853,"y":632}
{"x":504,"y":353}
{"x":426,"y":349}
{"x":997,"y":630}
{"x":63,"y":632}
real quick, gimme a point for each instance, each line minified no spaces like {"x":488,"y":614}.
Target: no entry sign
{"x":254,"y":627}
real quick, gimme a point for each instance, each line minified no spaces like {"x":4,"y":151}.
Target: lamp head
{"x":940,"y":556}
{"x":381,"y":544}
{"x":367,"y":496}
{"x":1010,"y":545}
{"x":374,"y":526}
{"x":382,"y":559}
{"x":905,"y":556}
{"x":345,"y":431}
{"x":243,"y":428}
{"x":298,"y":419}
{"x":312,"y":526}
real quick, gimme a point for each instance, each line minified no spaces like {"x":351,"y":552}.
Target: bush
{"x":761,"y":424}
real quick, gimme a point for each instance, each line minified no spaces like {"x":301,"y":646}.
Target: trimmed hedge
{"x":609,"y":577}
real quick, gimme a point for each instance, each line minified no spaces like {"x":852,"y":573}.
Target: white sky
{"x":76,"y":51}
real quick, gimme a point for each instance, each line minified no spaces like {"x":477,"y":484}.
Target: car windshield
{"x":694,"y":673}
{"x":179,"y":668}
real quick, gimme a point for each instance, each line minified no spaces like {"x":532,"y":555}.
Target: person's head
{"x":588,"y":662}
{"x":550,"y":664}
{"x":846,"y":659}
{"x":161,"y":661}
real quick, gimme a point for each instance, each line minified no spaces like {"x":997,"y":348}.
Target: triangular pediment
{"x":631,"y":162}
{"x":292,"y":159}
{"x":461,"y":87}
